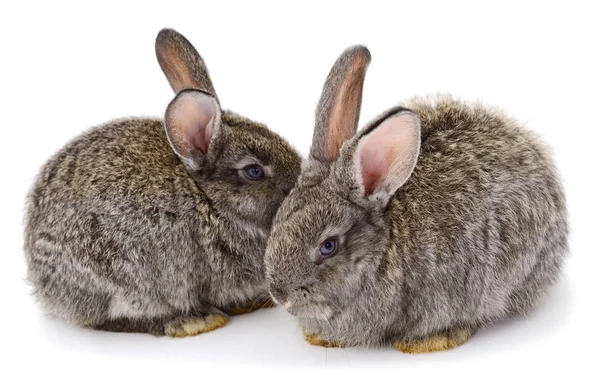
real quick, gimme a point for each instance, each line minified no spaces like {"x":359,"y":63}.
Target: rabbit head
{"x":330,"y":234}
{"x":244,"y":169}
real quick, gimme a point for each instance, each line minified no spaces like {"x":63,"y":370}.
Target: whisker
{"x":265,"y":303}
{"x":254,"y":303}
{"x":262,"y":300}
{"x":327,"y":320}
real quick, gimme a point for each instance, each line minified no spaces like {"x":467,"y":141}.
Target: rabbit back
{"x":117,"y":227}
{"x":480,"y":228}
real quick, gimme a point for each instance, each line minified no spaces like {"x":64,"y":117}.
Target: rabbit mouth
{"x":309,"y":310}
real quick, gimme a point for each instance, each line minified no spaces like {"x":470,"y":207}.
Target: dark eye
{"x":254,"y":172}
{"x":328,"y":247}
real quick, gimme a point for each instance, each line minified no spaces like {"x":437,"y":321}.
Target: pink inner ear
{"x":388,"y":153}
{"x":373,"y":162}
{"x":194,"y":120}
{"x":343,"y":119}
{"x":198,"y":133}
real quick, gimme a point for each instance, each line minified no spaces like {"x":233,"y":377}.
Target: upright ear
{"x":192,"y":121}
{"x":387,"y":153}
{"x":181,"y":63}
{"x":339,"y":107}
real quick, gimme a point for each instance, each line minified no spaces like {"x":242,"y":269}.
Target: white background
{"x":67,"y":67}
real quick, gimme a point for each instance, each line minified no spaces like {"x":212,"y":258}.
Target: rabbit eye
{"x":328,"y":247}
{"x":254,"y":172}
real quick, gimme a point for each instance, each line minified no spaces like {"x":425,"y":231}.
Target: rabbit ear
{"x":386,"y":155}
{"x":192,"y":121}
{"x":181,"y":63}
{"x":339,"y":107}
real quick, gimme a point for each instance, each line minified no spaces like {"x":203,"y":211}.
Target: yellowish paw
{"x":437,"y":342}
{"x":253,"y":306}
{"x":191,"y":326}
{"x":316,"y":340}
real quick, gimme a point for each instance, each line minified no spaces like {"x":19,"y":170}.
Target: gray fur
{"x":478,"y":232}
{"x":121,"y":235}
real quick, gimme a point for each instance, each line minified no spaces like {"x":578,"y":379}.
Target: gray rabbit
{"x":436,"y":219}
{"x":132,"y":229}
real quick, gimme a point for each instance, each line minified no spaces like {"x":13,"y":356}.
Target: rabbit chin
{"x":309,"y":310}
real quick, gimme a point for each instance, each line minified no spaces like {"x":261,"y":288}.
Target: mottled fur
{"x":476,"y":234}
{"x":121,"y":235}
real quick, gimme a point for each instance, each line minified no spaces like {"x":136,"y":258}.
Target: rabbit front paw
{"x":436,"y":342}
{"x":191,"y":326}
{"x":316,"y":340}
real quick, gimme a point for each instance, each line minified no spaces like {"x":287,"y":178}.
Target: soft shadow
{"x":271,"y":338}
{"x":550,"y":316}
{"x":76,"y":339}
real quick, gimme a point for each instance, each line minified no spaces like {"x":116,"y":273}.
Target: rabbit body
{"x":474,"y":232}
{"x":127,"y":231}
